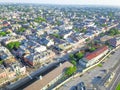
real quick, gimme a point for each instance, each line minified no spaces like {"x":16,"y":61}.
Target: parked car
{"x":81,"y":86}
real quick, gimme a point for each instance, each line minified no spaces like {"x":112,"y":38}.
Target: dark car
{"x":74,"y":88}
{"x":81,"y":86}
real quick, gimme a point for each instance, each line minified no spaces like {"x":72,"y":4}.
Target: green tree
{"x":21,"y":29}
{"x":70,"y":71}
{"x":71,"y":56}
{"x":13,"y":45}
{"x":73,"y":62}
{"x":92,"y":49}
{"x":2,"y":33}
{"x":17,"y":44}
{"x":118,"y":86}
{"x":113,"y":32}
{"x":1,"y":62}
{"x":83,"y":30}
{"x":40,"y":19}
{"x":79,"y":55}
{"x":10,"y":45}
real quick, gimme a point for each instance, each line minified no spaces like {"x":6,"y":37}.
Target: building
{"x":18,"y":68}
{"x":6,"y":73}
{"x":39,"y":58}
{"x":93,"y":57}
{"x":105,"y":38}
{"x":13,"y":39}
{"x":49,"y":79}
{"x":5,"y":53}
{"x":114,"y":41}
{"x":2,"y":72}
{"x":65,"y":46}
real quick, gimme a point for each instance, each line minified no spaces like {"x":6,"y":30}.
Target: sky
{"x":68,"y":2}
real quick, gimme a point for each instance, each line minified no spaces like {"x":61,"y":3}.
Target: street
{"x":116,"y":80}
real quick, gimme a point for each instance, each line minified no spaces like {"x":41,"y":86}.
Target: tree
{"x":2,"y":34}
{"x":10,"y":45}
{"x":71,"y":56}
{"x":83,"y":30}
{"x":13,"y":45}
{"x":70,"y":71}
{"x":40,"y":19}
{"x":79,"y":55}
{"x":113,"y":32}
{"x":73,"y":62}
{"x":92,"y":49}
{"x":21,"y":29}
{"x":1,"y":62}
{"x":17,"y":44}
{"x":76,"y":29}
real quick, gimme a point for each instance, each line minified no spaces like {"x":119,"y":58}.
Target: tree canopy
{"x":79,"y":55}
{"x":73,"y":62}
{"x":113,"y":32}
{"x":21,"y":29}
{"x":70,"y":71}
{"x":13,"y":45}
{"x":3,"y":33}
{"x":40,"y":19}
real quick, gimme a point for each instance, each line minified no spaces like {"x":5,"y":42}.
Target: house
{"x":5,"y":53}
{"x":18,"y":68}
{"x":50,"y":78}
{"x":3,"y":74}
{"x":76,"y":39}
{"x":65,"y":34}
{"x":12,"y":39}
{"x":105,"y":38}
{"x":6,"y":73}
{"x":93,"y":57}
{"x":114,"y":41}
{"x":39,"y":58}
{"x":46,"y":42}
{"x":65,"y":46}
{"x":39,"y":48}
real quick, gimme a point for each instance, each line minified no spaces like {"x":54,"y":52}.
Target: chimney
{"x":60,"y":64}
{"x":40,"y":77}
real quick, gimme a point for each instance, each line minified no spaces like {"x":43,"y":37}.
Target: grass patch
{"x":100,"y":65}
{"x":118,"y":86}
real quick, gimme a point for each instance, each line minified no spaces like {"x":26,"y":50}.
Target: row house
{"x":13,"y":39}
{"x":36,"y":58}
{"x":93,"y":57}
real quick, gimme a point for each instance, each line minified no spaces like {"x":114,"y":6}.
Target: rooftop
{"x":38,"y":85}
{"x":96,"y":53}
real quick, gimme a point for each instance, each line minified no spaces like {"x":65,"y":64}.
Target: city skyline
{"x":68,"y":2}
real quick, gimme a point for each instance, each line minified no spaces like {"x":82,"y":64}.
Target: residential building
{"x":114,"y":41}
{"x":39,"y":58}
{"x":13,"y":39}
{"x":93,"y":57}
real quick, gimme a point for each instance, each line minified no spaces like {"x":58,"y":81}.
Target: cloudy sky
{"x":80,"y":2}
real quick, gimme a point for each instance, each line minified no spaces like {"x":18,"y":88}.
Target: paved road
{"x":116,"y":80}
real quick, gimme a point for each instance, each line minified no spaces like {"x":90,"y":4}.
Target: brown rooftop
{"x":39,"y":84}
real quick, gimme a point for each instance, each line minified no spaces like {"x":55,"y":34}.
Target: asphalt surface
{"x":116,"y":80}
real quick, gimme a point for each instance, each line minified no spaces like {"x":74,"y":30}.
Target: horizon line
{"x":60,"y":4}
